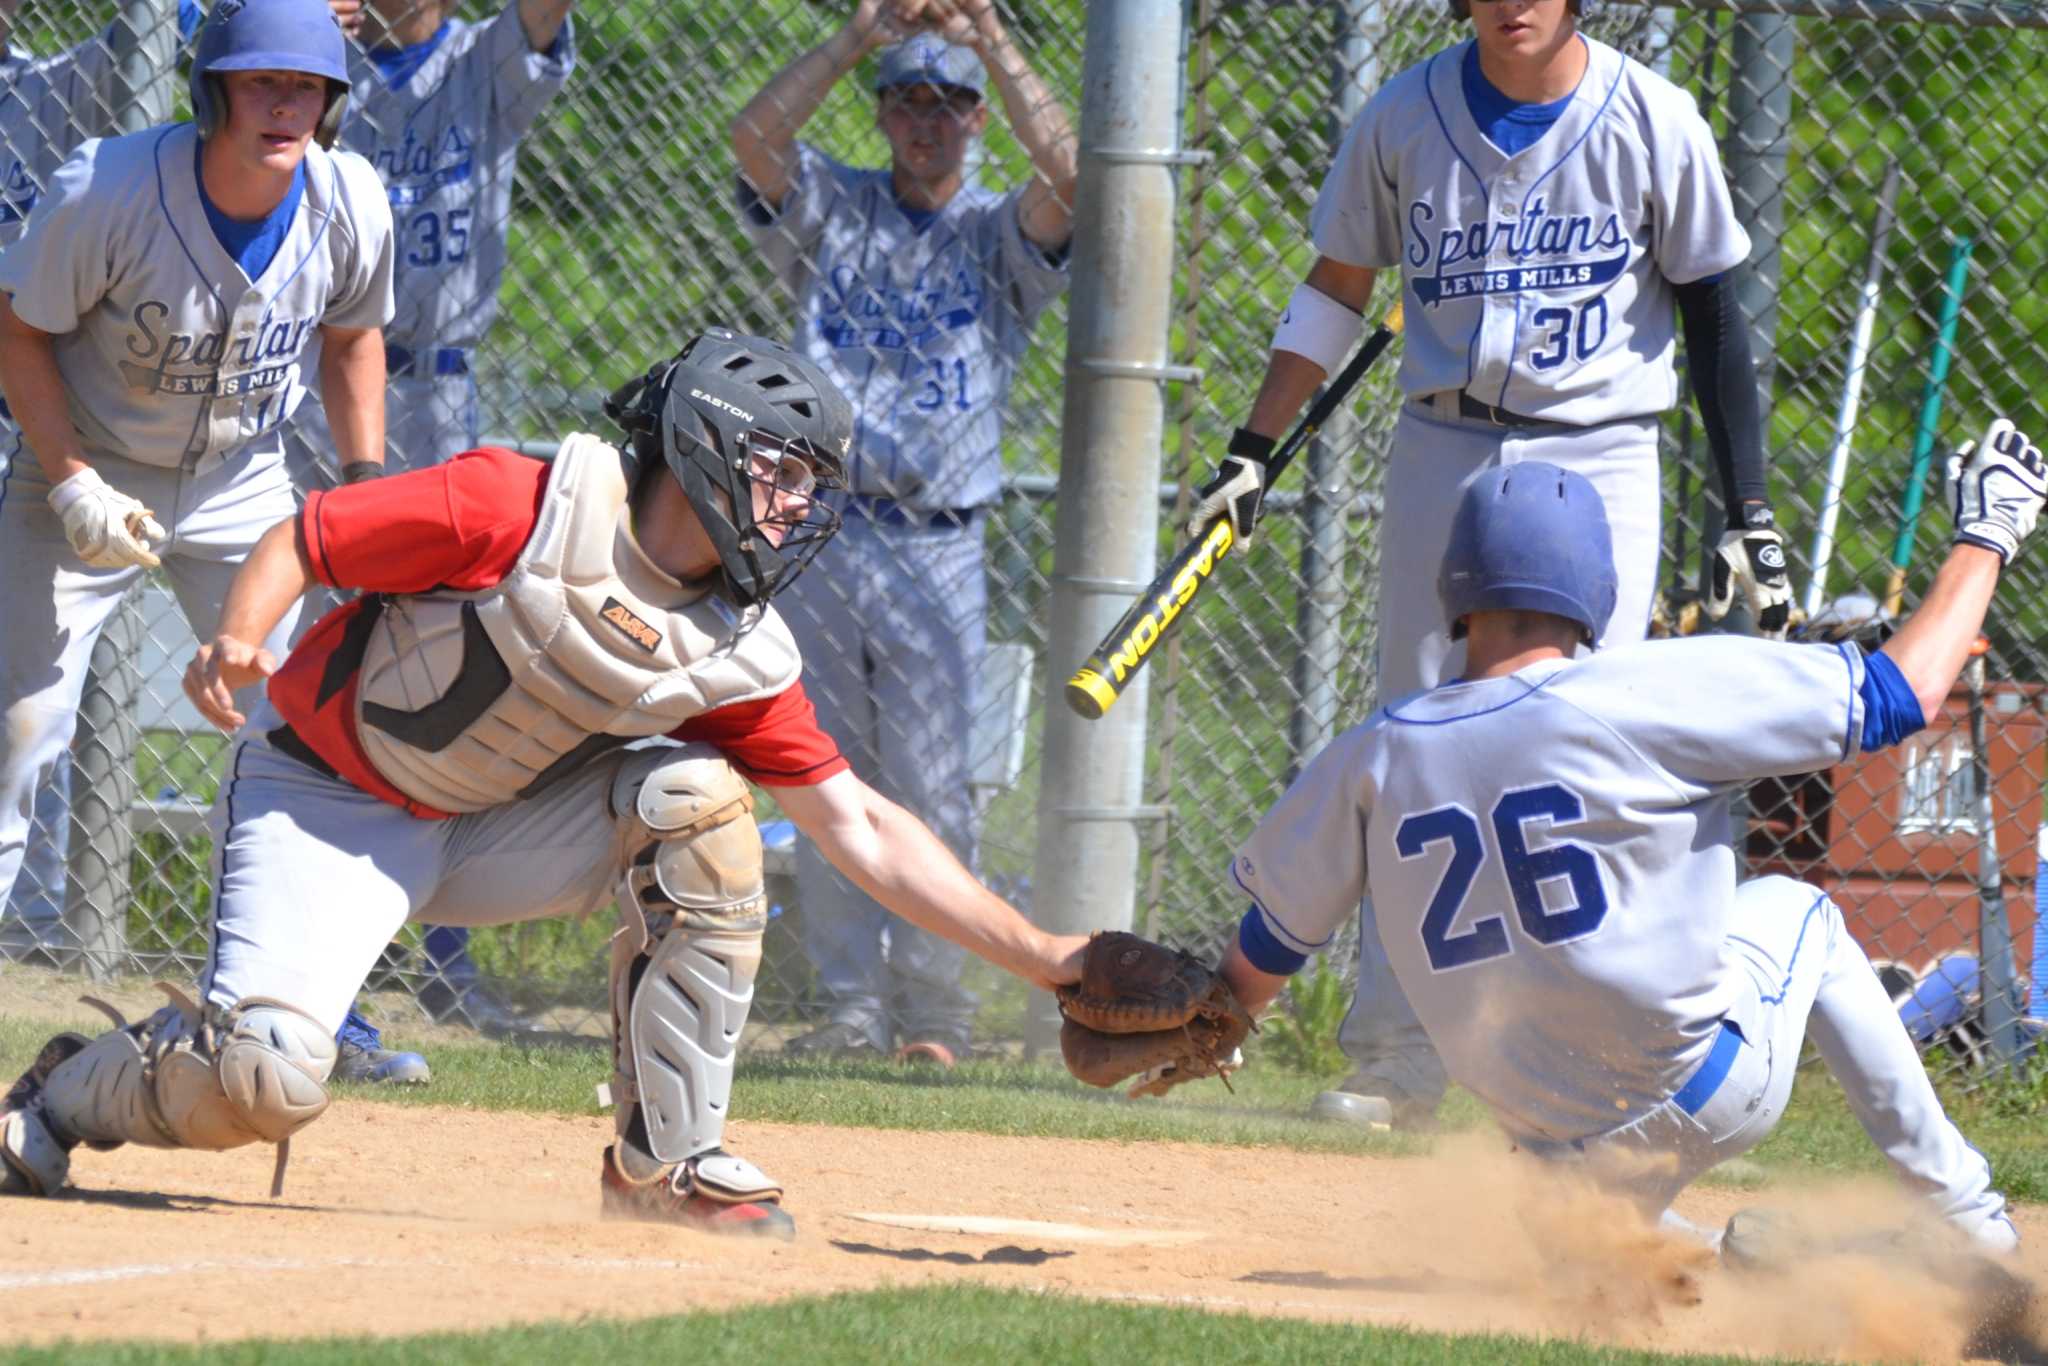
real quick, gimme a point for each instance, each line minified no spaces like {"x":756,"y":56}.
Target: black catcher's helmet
{"x":722,"y":415}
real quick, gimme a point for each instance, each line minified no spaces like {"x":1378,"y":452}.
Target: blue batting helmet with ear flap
{"x":1530,"y":537}
{"x":269,"y":35}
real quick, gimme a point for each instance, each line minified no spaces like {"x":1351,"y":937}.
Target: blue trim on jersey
{"x":1851,"y":656}
{"x":1510,"y":124}
{"x":1707,"y":1079}
{"x":253,"y":243}
{"x":397,"y":65}
{"x":1393,"y":715}
{"x":1891,"y":712}
{"x":1279,"y":931}
{"x":1819,"y":901}
{"x":1485,"y":197}
{"x":1620,"y":70}
{"x":1262,"y":950}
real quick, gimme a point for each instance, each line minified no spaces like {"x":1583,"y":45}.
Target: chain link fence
{"x":626,"y":234}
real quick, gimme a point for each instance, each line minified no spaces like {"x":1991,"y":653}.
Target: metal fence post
{"x":96,"y":894}
{"x":1361,"y":31}
{"x":1759,"y":141}
{"x":1105,"y":540}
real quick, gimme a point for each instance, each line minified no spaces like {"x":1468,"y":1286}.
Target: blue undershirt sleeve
{"x":1265,"y":952}
{"x":1890,"y":710}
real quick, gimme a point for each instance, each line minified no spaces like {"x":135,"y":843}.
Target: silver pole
{"x":1104,"y":544}
{"x":1321,"y":594}
{"x":144,"y":42}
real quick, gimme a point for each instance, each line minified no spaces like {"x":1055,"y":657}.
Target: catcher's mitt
{"x":1146,"y":1011}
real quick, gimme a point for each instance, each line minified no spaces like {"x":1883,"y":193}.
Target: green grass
{"x":946,"y":1323}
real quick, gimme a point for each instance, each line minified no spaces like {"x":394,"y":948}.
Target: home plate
{"x":1037,"y":1228}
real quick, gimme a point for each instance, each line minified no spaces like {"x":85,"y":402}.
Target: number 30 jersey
{"x":1538,"y":282}
{"x":1551,"y":859}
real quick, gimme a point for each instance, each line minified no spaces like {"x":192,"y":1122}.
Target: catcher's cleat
{"x":680,"y":1197}
{"x":30,"y":1158}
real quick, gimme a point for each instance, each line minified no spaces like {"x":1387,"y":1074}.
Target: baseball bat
{"x":1852,"y":394}
{"x":1994,"y":931}
{"x":1102,"y":678}
{"x":1930,"y":421}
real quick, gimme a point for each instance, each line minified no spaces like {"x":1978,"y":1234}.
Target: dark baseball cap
{"x":929,"y":60}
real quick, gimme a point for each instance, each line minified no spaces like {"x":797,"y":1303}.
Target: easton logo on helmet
{"x":741,"y":413}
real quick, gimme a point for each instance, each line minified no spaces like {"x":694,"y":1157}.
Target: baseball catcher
{"x":450,"y":747}
{"x":1147,"y":1011}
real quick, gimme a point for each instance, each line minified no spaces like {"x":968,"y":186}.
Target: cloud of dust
{"x":1528,"y":1246}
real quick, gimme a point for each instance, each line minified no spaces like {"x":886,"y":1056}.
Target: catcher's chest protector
{"x":470,"y":700}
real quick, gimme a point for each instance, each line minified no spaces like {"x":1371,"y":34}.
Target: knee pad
{"x":692,"y":849}
{"x":682,"y":978}
{"x":195,"y":1078}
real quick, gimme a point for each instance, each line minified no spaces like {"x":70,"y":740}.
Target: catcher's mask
{"x":730,"y":412}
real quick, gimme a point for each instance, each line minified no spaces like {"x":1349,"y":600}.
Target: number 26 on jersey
{"x":1526,"y":871}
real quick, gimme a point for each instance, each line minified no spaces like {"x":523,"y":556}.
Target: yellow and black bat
{"x":1097,"y":684}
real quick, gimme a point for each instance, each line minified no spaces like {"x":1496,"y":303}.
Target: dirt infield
{"x":402,"y":1220}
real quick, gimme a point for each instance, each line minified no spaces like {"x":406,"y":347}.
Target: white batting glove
{"x":1749,"y":563}
{"x":1236,"y":489}
{"x":107,"y":528}
{"x":1996,"y":487}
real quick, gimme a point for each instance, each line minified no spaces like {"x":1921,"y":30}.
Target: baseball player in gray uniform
{"x":1550,"y":846}
{"x":1547,"y":201}
{"x":160,"y":303}
{"x":52,"y":104}
{"x":439,"y":106}
{"x":917,"y":290}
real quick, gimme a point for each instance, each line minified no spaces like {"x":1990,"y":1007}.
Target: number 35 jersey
{"x":1538,"y":282}
{"x":442,"y":123}
{"x":1551,"y":859}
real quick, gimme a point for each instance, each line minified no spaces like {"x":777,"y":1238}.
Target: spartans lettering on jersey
{"x":416,"y":167}
{"x":167,"y":362}
{"x":1548,"y":251}
{"x":878,"y":315}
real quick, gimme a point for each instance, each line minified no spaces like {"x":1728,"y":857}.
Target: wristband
{"x":356,"y":471}
{"x":1251,"y":445}
{"x":1756,"y":514}
{"x":1317,"y":327}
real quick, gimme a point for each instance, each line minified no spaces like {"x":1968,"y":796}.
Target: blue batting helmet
{"x":1530,"y":537}
{"x":269,"y":35}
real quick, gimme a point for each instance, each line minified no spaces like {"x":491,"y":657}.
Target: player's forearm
{"x":352,"y":379}
{"x":276,"y":575}
{"x":1723,"y":364}
{"x":1290,"y":381}
{"x":1037,"y":118}
{"x":542,"y":21}
{"x":1932,"y":646}
{"x":896,"y":859}
{"x":1254,"y":989}
{"x":764,"y":132}
{"x":35,"y":394}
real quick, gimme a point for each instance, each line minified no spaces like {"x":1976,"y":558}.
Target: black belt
{"x":285,"y":740}
{"x":442,"y":360}
{"x":889,"y":512}
{"x":1477,"y":410}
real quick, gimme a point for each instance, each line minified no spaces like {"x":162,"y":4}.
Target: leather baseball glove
{"x":1147,"y":1011}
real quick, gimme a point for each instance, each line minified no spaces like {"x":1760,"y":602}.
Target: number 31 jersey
{"x":1551,"y":859}
{"x":1539,"y":282}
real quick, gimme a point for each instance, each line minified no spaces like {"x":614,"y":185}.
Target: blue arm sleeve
{"x":1890,"y":710}
{"x":1265,"y":952}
